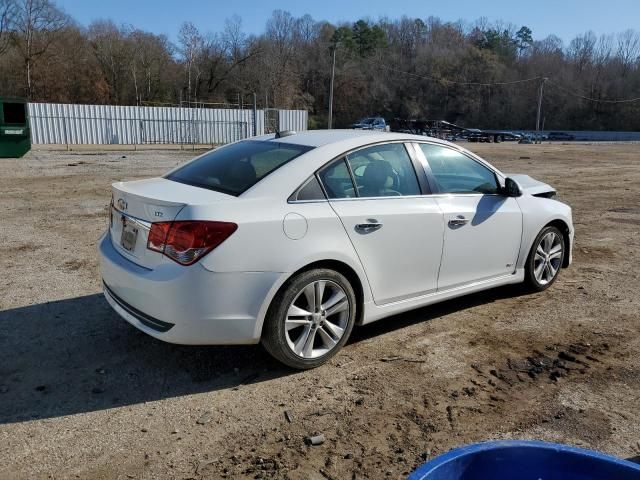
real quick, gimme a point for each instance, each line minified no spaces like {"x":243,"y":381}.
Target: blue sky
{"x":565,"y":18}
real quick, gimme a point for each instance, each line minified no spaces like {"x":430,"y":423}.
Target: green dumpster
{"x":15,"y":135}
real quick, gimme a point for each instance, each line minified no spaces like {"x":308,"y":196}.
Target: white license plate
{"x":129,"y":235}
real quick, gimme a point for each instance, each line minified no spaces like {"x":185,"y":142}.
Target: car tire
{"x":545,"y":259}
{"x":301,"y":331}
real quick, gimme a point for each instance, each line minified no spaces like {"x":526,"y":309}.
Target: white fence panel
{"x":127,"y":125}
{"x":293,"y":120}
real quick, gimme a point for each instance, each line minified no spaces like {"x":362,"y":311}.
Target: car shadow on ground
{"x":77,"y":355}
{"x":431,"y":312}
{"x":74,"y":356}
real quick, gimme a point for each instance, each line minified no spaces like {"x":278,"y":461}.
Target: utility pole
{"x":333,"y":74}
{"x":540,"y":94}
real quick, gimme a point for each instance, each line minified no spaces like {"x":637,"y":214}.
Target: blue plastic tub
{"x":523,"y":460}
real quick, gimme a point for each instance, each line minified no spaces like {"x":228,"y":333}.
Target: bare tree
{"x":305,"y":30}
{"x":604,"y":50}
{"x":136,"y":54}
{"x":113,"y":54}
{"x":221,"y":56}
{"x":277,"y":59}
{"x":7,"y":16}
{"x":233,"y":37}
{"x":191,"y":46}
{"x":549,"y":46}
{"x":628,"y":49}
{"x":280,"y":31}
{"x":582,"y":49}
{"x":150,"y":54}
{"x":36,"y":26}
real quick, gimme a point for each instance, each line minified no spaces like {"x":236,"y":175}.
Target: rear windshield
{"x":236,"y":168}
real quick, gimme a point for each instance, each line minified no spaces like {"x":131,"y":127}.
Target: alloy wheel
{"x":548,"y":258}
{"x":317,"y":319}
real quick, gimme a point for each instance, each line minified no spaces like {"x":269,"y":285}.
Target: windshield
{"x":236,"y":168}
{"x":368,"y":121}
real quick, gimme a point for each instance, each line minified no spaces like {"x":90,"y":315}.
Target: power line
{"x":455,"y":82}
{"x":514,"y":82}
{"x":578,"y":95}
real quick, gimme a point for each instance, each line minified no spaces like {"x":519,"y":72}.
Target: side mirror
{"x":511,"y":188}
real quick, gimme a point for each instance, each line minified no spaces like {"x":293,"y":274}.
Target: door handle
{"x":458,"y":221}
{"x":369,"y":227}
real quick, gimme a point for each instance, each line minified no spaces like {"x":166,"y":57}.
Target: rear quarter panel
{"x":261,"y":244}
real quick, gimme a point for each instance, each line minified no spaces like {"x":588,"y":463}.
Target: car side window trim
{"x":435,"y":190}
{"x":324,"y":190}
{"x":420,"y":163}
{"x":353,"y":177}
{"x":431,"y":176}
{"x":363,"y":199}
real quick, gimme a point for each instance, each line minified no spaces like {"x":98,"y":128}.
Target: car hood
{"x":531,"y":185}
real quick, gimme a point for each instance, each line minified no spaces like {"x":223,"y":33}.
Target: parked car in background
{"x":526,"y":139}
{"x":516,"y":137}
{"x":293,"y":240}
{"x":372,"y":123}
{"x":560,"y":136}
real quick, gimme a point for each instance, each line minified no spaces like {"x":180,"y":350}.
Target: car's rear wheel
{"x":545,"y":259}
{"x":310,"y":318}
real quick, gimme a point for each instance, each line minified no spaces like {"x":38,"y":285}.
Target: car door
{"x":482,"y":228}
{"x":396,"y":230}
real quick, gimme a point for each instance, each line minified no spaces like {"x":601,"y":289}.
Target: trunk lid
{"x":138,"y":204}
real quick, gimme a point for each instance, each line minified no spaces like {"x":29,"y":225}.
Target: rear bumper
{"x":185,"y":305}
{"x":153,"y":323}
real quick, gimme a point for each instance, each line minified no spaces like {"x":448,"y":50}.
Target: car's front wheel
{"x":545,"y":259}
{"x":310,"y":318}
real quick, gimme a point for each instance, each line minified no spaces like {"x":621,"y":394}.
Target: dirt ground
{"x":85,"y":395}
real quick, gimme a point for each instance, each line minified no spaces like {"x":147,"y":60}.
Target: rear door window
{"x":384,"y":171}
{"x":236,"y":168}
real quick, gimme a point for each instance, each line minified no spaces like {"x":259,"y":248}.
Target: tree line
{"x":480,"y":74}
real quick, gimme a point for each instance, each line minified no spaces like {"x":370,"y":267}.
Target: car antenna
{"x":284,"y":133}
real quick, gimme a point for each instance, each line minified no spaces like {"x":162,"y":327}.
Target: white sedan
{"x":292,"y":239}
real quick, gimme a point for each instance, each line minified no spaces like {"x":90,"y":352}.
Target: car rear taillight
{"x":158,"y":236}
{"x":186,"y":242}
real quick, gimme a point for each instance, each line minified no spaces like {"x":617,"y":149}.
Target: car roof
{"x":319,"y":138}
